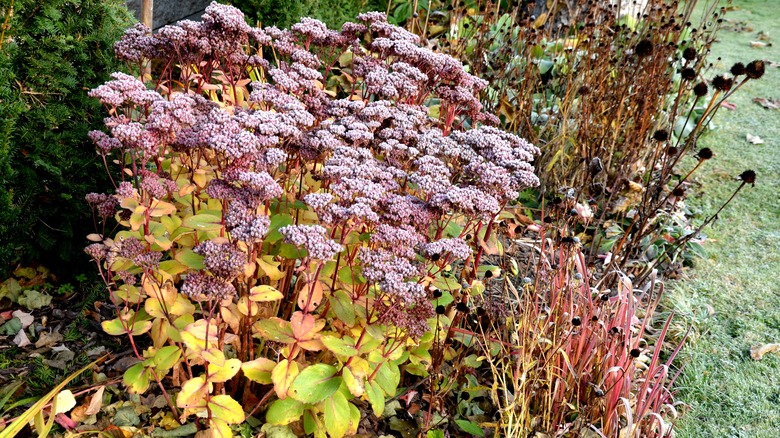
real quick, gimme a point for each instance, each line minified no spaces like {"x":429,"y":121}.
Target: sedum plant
{"x":301,"y":214}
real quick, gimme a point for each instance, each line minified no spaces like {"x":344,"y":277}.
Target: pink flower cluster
{"x":383,"y":161}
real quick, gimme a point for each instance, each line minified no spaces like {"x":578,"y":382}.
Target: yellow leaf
{"x":224,"y":408}
{"x":270,"y":267}
{"x":264,"y":293}
{"x":282,"y":377}
{"x":259,"y":370}
{"x":193,"y":393}
{"x":161,"y":208}
{"x":65,"y":402}
{"x":220,"y":369}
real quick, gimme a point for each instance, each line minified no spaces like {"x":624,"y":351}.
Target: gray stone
{"x":170,"y":11}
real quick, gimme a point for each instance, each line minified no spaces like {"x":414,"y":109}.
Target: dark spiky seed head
{"x":604,"y":297}
{"x":634,"y":352}
{"x":722,"y":83}
{"x":435,"y":257}
{"x":594,"y":318}
{"x":661,"y":135}
{"x":689,"y":54}
{"x":748,"y":177}
{"x":644,"y":48}
{"x":700,"y":89}
{"x":518,"y":229}
{"x":738,"y":69}
{"x":440,"y":310}
{"x":671,"y":151}
{"x":576,"y":321}
{"x":548,"y":219}
{"x":583,"y":90}
{"x":678,"y":192}
{"x":437,"y":293}
{"x":462,"y":307}
{"x":704,"y":154}
{"x":488,"y":274}
{"x":465,"y":395}
{"x":755,"y":69}
{"x":688,"y":74}
{"x":481,"y":311}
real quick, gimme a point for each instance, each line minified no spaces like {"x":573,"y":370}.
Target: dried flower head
{"x":748,"y":177}
{"x":755,"y":69}
{"x":700,"y":89}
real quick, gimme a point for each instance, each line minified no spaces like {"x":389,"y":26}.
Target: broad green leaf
{"x":277,"y":221}
{"x":336,"y":415}
{"x":203,"y":222}
{"x":388,"y":376}
{"x":376,"y":397}
{"x":339,"y":346}
{"x":470,"y":427}
{"x":136,"y":378}
{"x":32,"y":299}
{"x":265,"y":293}
{"x":282,"y":412}
{"x":188,"y":258}
{"x":354,"y":419}
{"x":435,"y":434}
{"x":342,"y":306}
{"x":315,"y":383}
{"x":165,"y":358}
{"x":274,"y":329}
{"x":114,"y":327}
{"x":282,"y":376}
{"x":226,"y":409}
{"x":259,"y":370}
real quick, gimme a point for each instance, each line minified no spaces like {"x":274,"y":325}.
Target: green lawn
{"x":730,"y":394}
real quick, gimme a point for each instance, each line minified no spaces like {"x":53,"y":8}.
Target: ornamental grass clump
{"x":291,"y":205}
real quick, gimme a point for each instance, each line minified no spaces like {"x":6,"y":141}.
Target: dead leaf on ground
{"x":728,"y":105}
{"x":763,"y":36}
{"x":759,"y":44}
{"x":21,"y":339}
{"x":754,"y":139}
{"x":758,"y":351}
{"x":767,"y":103}
{"x":46,"y":339}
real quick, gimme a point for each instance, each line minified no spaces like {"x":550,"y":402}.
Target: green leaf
{"x":136,"y":378}
{"x":188,"y":258}
{"x":11,"y":327}
{"x":282,"y":412}
{"x":336,"y":415}
{"x":259,"y":370}
{"x":203,"y":222}
{"x":274,"y":329}
{"x":226,"y":409}
{"x":32,"y":299}
{"x":470,"y":427}
{"x":165,"y":358}
{"x":376,"y":397}
{"x":342,"y":306}
{"x":435,"y":434}
{"x":388,"y":376}
{"x":277,"y":221}
{"x":340,"y":346}
{"x":315,"y":383}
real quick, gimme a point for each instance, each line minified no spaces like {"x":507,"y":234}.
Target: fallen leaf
{"x":11,"y":327}
{"x":754,"y":139}
{"x":763,"y":36}
{"x":95,"y":402}
{"x":65,"y":402}
{"x":767,"y":103}
{"x":728,"y":105}
{"x":46,"y":339}
{"x":758,"y":351}
{"x":32,"y":299}
{"x":21,"y":339}
{"x":25,"y":318}
{"x":758,"y":44}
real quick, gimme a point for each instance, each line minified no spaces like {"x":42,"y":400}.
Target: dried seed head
{"x":548,"y":219}
{"x":722,"y":83}
{"x":644,"y":48}
{"x":440,"y":310}
{"x":755,"y":69}
{"x":437,"y":293}
{"x":738,"y":69}
{"x":748,"y":177}
{"x":634,"y":352}
{"x":700,"y":89}
{"x":583,"y":90}
{"x":671,"y":151}
{"x":462,"y":307}
{"x":678,"y":192}
{"x":661,"y":135}
{"x":689,"y":54}
{"x":688,"y":74}
{"x":576,"y":321}
{"x":704,"y":154}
